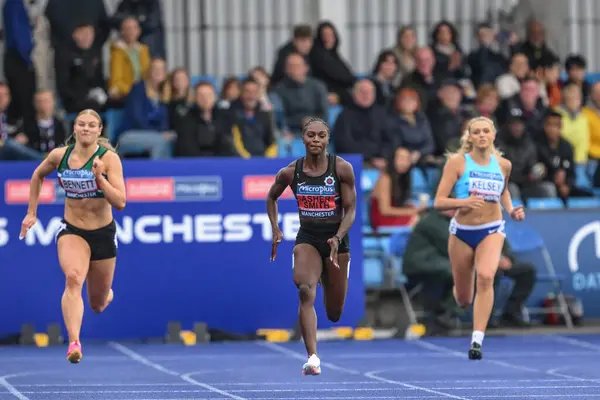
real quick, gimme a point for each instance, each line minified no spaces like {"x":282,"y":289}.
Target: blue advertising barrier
{"x":572,"y":239}
{"x":194,"y":245}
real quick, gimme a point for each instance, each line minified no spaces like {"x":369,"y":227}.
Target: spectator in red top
{"x":390,"y":200}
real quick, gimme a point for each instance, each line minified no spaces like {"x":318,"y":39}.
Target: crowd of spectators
{"x":402,"y":115}
{"x":416,"y":98}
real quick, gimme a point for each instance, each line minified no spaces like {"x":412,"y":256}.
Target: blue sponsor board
{"x":198,"y":188}
{"x":178,"y":259}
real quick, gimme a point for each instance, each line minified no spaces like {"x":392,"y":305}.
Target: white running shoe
{"x":312,"y":366}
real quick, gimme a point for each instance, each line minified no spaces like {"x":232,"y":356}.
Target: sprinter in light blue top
{"x":478,"y":175}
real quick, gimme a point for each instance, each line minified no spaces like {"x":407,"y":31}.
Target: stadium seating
{"x":551,"y":203}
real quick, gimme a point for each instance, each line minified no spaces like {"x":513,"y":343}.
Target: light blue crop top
{"x":486,"y":181}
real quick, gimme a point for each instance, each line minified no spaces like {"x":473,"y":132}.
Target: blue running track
{"x":523,"y":367}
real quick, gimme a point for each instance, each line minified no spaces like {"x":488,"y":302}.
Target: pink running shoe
{"x":74,"y":354}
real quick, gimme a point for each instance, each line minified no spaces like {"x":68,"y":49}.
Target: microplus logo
{"x":154,"y":229}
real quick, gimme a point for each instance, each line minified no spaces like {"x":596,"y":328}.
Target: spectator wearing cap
{"x":527,"y":174}
{"x":423,"y":79}
{"x":409,"y":127}
{"x":446,"y":115}
{"x":575,"y":65}
{"x":527,"y":103}
{"x":575,"y":128}
{"x":301,"y":43}
{"x":509,"y":84}
{"x":486,"y":62}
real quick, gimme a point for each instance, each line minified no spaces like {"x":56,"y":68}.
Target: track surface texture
{"x":517,"y":367}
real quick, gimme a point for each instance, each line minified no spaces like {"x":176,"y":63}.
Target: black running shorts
{"x":319,"y":242}
{"x":102,"y":241}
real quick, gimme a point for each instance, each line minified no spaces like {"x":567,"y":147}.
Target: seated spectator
{"x":177,"y":95}
{"x":447,"y":117}
{"x":301,"y":43}
{"x":230,"y":92}
{"x":145,"y":121}
{"x":423,"y":79}
{"x":534,"y":46}
{"x":390,"y":199}
{"x":449,"y":60}
{"x":302,"y":96}
{"x":509,"y":84}
{"x":575,"y":66}
{"x":527,"y":103}
{"x":327,"y":65}
{"x":383,"y":75}
{"x":486,"y":62}
{"x":592,"y":113}
{"x":13,"y":141}
{"x":575,"y":128}
{"x":79,"y":76}
{"x":253,"y":129}
{"x":361,"y":128}
{"x":524,"y":276}
{"x":148,"y":14}
{"x":557,"y":156}
{"x":551,"y":87}
{"x":486,"y":102}
{"x":46,"y":132}
{"x":129,"y":60}
{"x":426,"y":262}
{"x":269,"y":100}
{"x":64,"y":16}
{"x":405,"y":49}
{"x":409,"y":127}
{"x":204,"y":131}
{"x":526,"y":178}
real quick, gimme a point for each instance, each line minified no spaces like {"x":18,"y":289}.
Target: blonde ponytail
{"x":104,"y":142}
{"x":466,"y":146}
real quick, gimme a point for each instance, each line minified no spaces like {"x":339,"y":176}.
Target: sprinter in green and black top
{"x":324,"y":187}
{"x":91,"y":174}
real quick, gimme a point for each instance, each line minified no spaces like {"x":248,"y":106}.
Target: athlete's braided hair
{"x":312,"y":120}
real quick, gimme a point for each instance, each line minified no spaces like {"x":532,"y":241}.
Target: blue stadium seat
{"x":582,"y":179}
{"x":419,"y":181}
{"x":583,"y":202}
{"x":113,"y":121}
{"x":551,"y":203}
{"x":433,"y":176}
{"x":298,"y":148}
{"x":368,"y":179}
{"x":283,"y":150}
{"x":373,"y":273}
{"x":333,"y":113}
